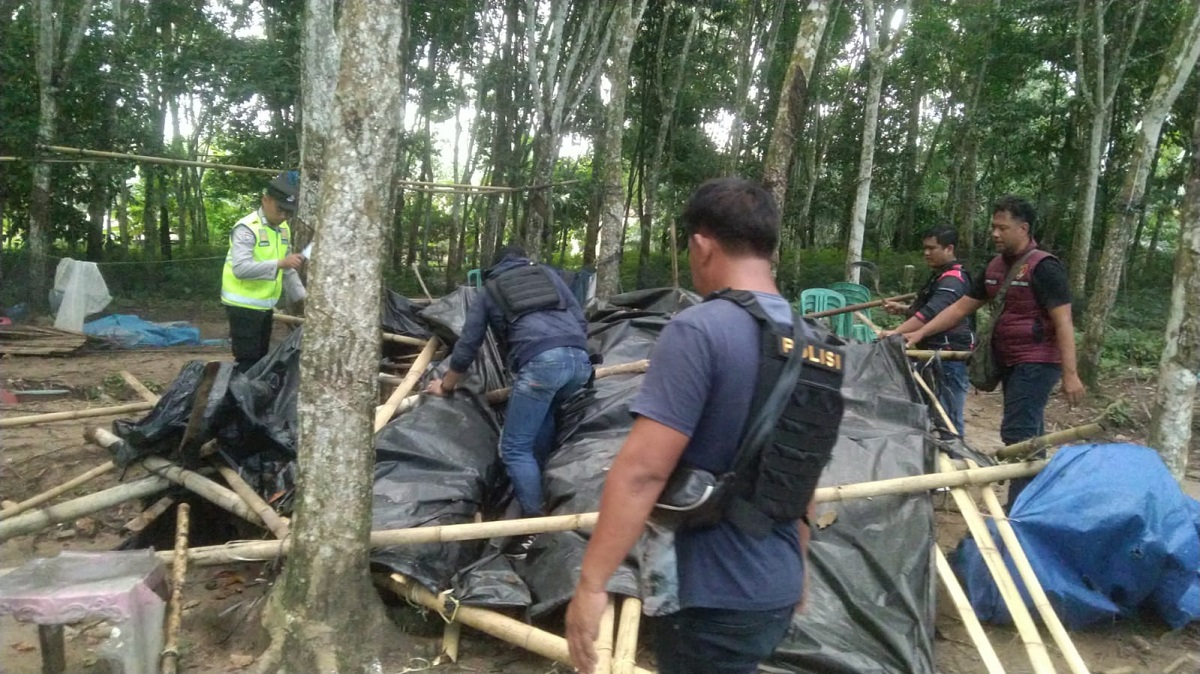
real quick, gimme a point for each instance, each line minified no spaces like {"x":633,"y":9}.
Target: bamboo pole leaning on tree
{"x":267,"y":550}
{"x":495,"y":624}
{"x":170,"y":653}
{"x":1032,"y":585}
{"x":987,"y":653}
{"x":385,"y":336}
{"x":1039,"y":658}
{"x":386,"y":411}
{"x":30,"y":420}
{"x":625,"y":649}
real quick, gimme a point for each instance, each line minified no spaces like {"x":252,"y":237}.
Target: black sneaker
{"x":518,"y":547}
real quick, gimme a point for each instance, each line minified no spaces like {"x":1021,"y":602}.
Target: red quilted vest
{"x":1024,"y":333}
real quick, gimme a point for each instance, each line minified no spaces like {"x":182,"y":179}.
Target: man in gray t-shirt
{"x":737,"y":593}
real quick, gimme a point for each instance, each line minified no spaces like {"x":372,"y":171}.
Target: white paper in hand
{"x":307,"y":252}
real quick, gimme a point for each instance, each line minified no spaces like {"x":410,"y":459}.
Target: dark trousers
{"x":250,"y":332}
{"x":1027,"y":388}
{"x":720,"y":641}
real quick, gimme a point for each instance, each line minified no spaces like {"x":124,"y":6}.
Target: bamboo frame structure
{"x":987,"y":653}
{"x":385,"y":336}
{"x":32,"y":419}
{"x":1039,"y":658}
{"x":604,"y":638}
{"x":1032,"y":585}
{"x":49,"y":494}
{"x":138,"y":387}
{"x":265,"y":512}
{"x":502,"y":627}
{"x":1076,"y":433}
{"x":150,"y":514}
{"x":170,"y":652}
{"x":267,"y":550}
{"x":36,"y":520}
{"x":385,"y":412}
{"x":628,"y":624}
{"x":922,"y":354}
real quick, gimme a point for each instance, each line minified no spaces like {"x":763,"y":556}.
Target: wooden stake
{"x":625,"y":650}
{"x":1032,"y":585}
{"x":54,"y":652}
{"x":385,"y":336}
{"x":139,"y":388}
{"x":1075,"y":434}
{"x":13,"y":422}
{"x":386,"y":411}
{"x":604,"y":639}
{"x":1039,"y":658}
{"x":495,"y":624}
{"x":63,"y":488}
{"x":260,"y":507}
{"x":971,"y":621}
{"x":170,"y":653}
{"x":266,"y":550}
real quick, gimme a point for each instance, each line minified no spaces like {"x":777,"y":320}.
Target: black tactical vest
{"x":522,"y":290}
{"x":789,"y":438}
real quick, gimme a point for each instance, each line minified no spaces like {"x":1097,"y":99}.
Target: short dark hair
{"x":511,"y":250}
{"x":945,"y":235}
{"x":1018,"y":208}
{"x":738,"y":213}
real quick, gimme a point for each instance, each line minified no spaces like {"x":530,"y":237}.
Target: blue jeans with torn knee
{"x":542,"y":384}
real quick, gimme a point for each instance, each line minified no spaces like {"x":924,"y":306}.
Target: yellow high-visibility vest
{"x":270,"y":244}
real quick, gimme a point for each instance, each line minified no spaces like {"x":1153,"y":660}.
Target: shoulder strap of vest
{"x":998,"y":302}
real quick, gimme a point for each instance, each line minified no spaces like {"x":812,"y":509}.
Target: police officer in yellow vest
{"x":259,"y":269}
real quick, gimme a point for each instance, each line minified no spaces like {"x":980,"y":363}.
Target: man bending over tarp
{"x":701,"y":411}
{"x":545,"y":333}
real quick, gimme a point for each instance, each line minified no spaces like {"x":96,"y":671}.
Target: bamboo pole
{"x":384,"y":412}
{"x":385,"y":336}
{"x":37,"y":520}
{"x":860,"y":307}
{"x":971,"y":621}
{"x":266,"y":550}
{"x":502,"y":627}
{"x":604,"y":639}
{"x":417,"y":185}
{"x":265,"y":512}
{"x":625,"y":649}
{"x":63,"y":488}
{"x":195,"y":482}
{"x":934,"y":402}
{"x":1025,"y":447}
{"x":451,"y":636}
{"x":1034,"y":587}
{"x":138,"y":387}
{"x":1039,"y":658}
{"x":922,"y":354}
{"x":30,"y":420}
{"x":170,"y":653}
{"x":150,"y":514}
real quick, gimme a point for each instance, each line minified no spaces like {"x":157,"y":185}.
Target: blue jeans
{"x":703,"y":640}
{"x":543,"y":383}
{"x":952,"y":391}
{"x":1027,"y":388}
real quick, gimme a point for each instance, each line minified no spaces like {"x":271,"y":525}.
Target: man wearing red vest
{"x":1034,"y":337}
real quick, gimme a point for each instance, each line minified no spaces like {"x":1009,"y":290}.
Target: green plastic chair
{"x":853,"y":292}
{"x":862,"y":333}
{"x":813,"y":300}
{"x":475,"y":278}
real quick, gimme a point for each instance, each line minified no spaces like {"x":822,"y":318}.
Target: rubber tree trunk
{"x":793,"y":100}
{"x":325,"y":615}
{"x":626,"y":18}
{"x":319,"y":52}
{"x":866,"y":165}
{"x":1175,"y":397}
{"x":1177,"y":66}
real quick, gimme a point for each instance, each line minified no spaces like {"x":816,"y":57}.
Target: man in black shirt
{"x":948,"y":282}
{"x":1033,"y":334}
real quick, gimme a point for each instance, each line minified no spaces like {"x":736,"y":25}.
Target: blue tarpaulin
{"x":127,"y":332}
{"x":1108,"y":531}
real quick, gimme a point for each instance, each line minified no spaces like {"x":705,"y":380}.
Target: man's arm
{"x":242,"y":242}
{"x":466,"y":348}
{"x":1064,"y":328}
{"x":948,"y":318}
{"x":636,"y":479}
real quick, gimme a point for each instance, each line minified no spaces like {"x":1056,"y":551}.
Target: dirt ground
{"x":222,"y":604}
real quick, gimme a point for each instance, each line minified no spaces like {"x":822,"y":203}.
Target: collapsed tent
{"x":871,"y":600}
{"x":1108,"y":531}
